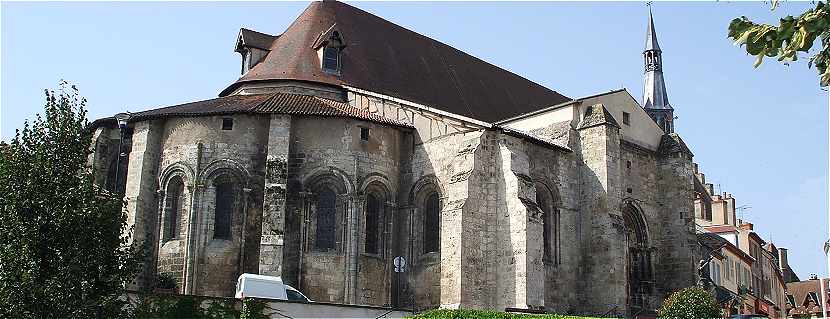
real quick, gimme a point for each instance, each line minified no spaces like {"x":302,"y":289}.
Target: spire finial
{"x":651,"y":35}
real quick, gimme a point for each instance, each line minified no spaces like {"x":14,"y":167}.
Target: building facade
{"x":350,"y":141}
{"x":748,"y":273}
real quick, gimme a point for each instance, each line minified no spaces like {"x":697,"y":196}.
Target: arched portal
{"x":638,"y":259}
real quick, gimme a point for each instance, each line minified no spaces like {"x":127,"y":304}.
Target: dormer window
{"x":331,"y":60}
{"x":246,"y":61}
{"x":253,"y":46}
{"x":329,"y":45}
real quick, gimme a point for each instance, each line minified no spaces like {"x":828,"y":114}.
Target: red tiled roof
{"x":382,"y":57}
{"x":276,"y":103}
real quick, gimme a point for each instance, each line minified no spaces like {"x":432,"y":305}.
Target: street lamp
{"x":122,"y":119}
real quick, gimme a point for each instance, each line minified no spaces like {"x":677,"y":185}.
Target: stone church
{"x":349,"y":140}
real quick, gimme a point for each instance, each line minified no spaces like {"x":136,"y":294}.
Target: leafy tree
{"x":63,"y":252}
{"x":785,"y":41}
{"x":690,"y":303}
{"x":487,"y":314}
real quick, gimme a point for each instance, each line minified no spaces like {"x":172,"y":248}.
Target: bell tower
{"x":655,"y":98}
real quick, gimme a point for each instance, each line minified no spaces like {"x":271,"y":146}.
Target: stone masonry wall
{"x":559,"y":172}
{"x":443,"y":164}
{"x":675,"y":259}
{"x":519,"y":221}
{"x":604,"y":251}
{"x":199,"y":151}
{"x":336,"y":155}
{"x":276,"y":183}
{"x":140,"y":186}
{"x":491,"y":248}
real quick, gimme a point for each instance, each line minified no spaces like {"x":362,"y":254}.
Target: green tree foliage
{"x":690,"y":303}
{"x":254,"y":309}
{"x":164,"y":306}
{"x":62,"y":249}
{"x":785,"y":41}
{"x":486,"y":314}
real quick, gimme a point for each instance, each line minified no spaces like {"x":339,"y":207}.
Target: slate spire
{"x":655,"y":98}
{"x":651,"y":36}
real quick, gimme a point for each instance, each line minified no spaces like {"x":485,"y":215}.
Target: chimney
{"x":710,"y":188}
{"x":745,"y":226}
{"x":719,"y":211}
{"x":730,"y":209}
{"x":782,"y":259}
{"x":813,"y":277}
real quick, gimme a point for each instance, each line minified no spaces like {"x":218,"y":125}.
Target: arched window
{"x":638,"y":263}
{"x":432,"y":224}
{"x":175,"y":203}
{"x":331,"y":59}
{"x":326,"y":208}
{"x":371,"y":246}
{"x":550,"y":224}
{"x":117,"y":175}
{"x":224,"y":206}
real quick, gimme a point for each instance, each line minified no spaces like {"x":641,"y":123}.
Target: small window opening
{"x":627,"y":164}
{"x":432,"y":226}
{"x":364,"y":133}
{"x":224,"y":205}
{"x":372,"y":221}
{"x":248,"y":61}
{"x":326,"y":220}
{"x":626,"y":118}
{"x":227,"y":124}
{"x":331,"y":61}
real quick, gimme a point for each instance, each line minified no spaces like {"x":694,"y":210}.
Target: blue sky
{"x":760,"y":134}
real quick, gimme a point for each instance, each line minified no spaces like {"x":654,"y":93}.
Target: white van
{"x":269,"y":287}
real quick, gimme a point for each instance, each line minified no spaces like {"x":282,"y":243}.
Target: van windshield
{"x":295,"y":296}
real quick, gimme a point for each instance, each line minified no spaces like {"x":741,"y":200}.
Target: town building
{"x":748,"y":273}
{"x":350,"y":141}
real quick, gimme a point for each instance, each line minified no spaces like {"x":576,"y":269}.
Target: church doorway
{"x":638,"y":261}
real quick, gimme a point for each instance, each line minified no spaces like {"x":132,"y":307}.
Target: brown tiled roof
{"x":276,"y":103}
{"x":382,"y":57}
{"x":800,"y":291}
